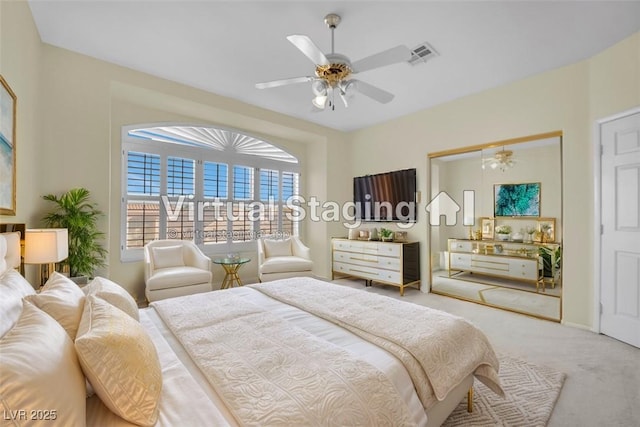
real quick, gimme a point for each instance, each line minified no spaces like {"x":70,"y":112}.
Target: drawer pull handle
{"x":362,"y":259}
{"x":360,"y":271}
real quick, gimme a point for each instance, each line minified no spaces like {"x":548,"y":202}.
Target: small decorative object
{"x":478,"y":234}
{"x":503,"y":232}
{"x":487,"y":225}
{"x":400,"y":236}
{"x":497,"y":249}
{"x":517,"y":236}
{"x":386,"y":235}
{"x":530,"y":230}
{"x":233,"y":255}
{"x":547,"y":227}
{"x":373,"y":234}
{"x":364,"y":234}
{"x":353,"y":233}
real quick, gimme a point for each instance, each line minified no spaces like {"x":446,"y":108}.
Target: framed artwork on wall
{"x":487,"y":225}
{"x":514,"y":200}
{"x":7,"y":149}
{"x":546,"y":230}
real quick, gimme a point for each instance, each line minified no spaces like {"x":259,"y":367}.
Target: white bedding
{"x":189,"y":399}
{"x":184,"y":384}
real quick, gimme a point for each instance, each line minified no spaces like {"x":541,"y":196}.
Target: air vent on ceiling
{"x":422,"y":53}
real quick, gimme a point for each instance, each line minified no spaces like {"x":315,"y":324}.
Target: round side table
{"x":231,"y":267}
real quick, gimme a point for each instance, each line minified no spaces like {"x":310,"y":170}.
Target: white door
{"x":620,"y":244}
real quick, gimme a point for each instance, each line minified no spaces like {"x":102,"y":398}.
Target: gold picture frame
{"x":545,"y":230}
{"x":7,"y":149}
{"x":488,"y":225}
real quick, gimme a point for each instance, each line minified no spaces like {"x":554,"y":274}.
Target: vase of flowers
{"x":530,"y":230}
{"x":503,"y":232}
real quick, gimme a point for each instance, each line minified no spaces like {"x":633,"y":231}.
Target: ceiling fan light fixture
{"x":501,"y":160}
{"x":319,"y":87}
{"x":320,"y":101}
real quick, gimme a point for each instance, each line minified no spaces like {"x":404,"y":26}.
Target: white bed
{"x":191,"y":395}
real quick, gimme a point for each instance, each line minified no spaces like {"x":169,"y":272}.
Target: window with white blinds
{"x":189,"y":191}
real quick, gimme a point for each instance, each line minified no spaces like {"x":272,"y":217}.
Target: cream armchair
{"x":279,"y":259}
{"x":174,"y":268}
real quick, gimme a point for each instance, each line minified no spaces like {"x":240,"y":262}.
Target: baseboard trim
{"x":578,"y":326}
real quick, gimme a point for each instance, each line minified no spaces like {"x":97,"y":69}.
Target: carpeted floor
{"x":530,"y":394}
{"x":602,"y":387}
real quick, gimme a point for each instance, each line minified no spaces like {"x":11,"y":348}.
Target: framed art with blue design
{"x":512,"y":200}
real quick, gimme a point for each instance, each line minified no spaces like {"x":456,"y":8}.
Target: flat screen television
{"x":389,"y":196}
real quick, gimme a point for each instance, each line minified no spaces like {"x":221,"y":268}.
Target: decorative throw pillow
{"x":114,"y":294}
{"x":61,"y":299}
{"x":13,"y":287}
{"x":120,"y":361}
{"x":40,"y":374}
{"x":277,"y":247}
{"x":167,"y":256}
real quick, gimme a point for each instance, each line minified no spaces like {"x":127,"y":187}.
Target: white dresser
{"x":392,"y":263}
{"x":517,"y":261}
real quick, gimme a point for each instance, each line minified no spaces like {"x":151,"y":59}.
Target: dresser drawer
{"x":462,"y":261}
{"x":523,"y":269}
{"x":457,"y":246}
{"x":367,"y":272}
{"x":367,"y":260}
{"x":389,"y":249}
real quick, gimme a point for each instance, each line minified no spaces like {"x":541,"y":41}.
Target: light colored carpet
{"x":531,"y":393}
{"x":603,"y":375}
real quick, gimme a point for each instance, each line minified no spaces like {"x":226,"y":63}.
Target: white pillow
{"x":40,"y":373}
{"x":277,"y":247}
{"x":13,"y":287}
{"x":167,"y":256}
{"x":114,"y":294}
{"x":120,"y":361}
{"x":61,"y":299}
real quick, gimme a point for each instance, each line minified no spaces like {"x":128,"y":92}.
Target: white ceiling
{"x":226,"y":47}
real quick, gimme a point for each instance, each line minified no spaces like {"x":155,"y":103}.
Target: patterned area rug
{"x":531,"y":393}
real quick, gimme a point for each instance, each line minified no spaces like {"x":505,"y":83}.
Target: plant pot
{"x":387,"y":239}
{"x":503,"y":237}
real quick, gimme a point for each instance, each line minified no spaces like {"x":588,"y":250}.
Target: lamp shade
{"x":46,"y":245}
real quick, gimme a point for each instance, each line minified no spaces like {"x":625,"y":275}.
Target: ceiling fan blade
{"x":373,"y":92}
{"x":310,"y":50}
{"x":387,"y":57}
{"x":276,"y":83}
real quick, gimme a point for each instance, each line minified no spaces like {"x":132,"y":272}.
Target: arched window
{"x":217,"y":187}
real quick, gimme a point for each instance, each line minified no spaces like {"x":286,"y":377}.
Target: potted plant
{"x":386,"y":235}
{"x":503,"y":232}
{"x":74,"y":211}
{"x":551,"y":260}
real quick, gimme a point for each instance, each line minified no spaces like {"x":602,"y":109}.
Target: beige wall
{"x":86,"y":101}
{"x":71,"y":106}
{"x":20,"y":65}
{"x":568,"y":99}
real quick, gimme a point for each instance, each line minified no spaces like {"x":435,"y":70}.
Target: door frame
{"x":597,"y":209}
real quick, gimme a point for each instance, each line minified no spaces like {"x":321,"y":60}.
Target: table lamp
{"x":45,"y":246}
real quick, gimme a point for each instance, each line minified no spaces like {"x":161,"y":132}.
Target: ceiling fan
{"x":502,"y":160}
{"x":333,"y":71}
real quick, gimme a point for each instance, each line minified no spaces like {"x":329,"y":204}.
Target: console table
{"x":515,"y":260}
{"x":392,"y":263}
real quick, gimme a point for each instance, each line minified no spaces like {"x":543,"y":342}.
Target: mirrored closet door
{"x":505,"y":249}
